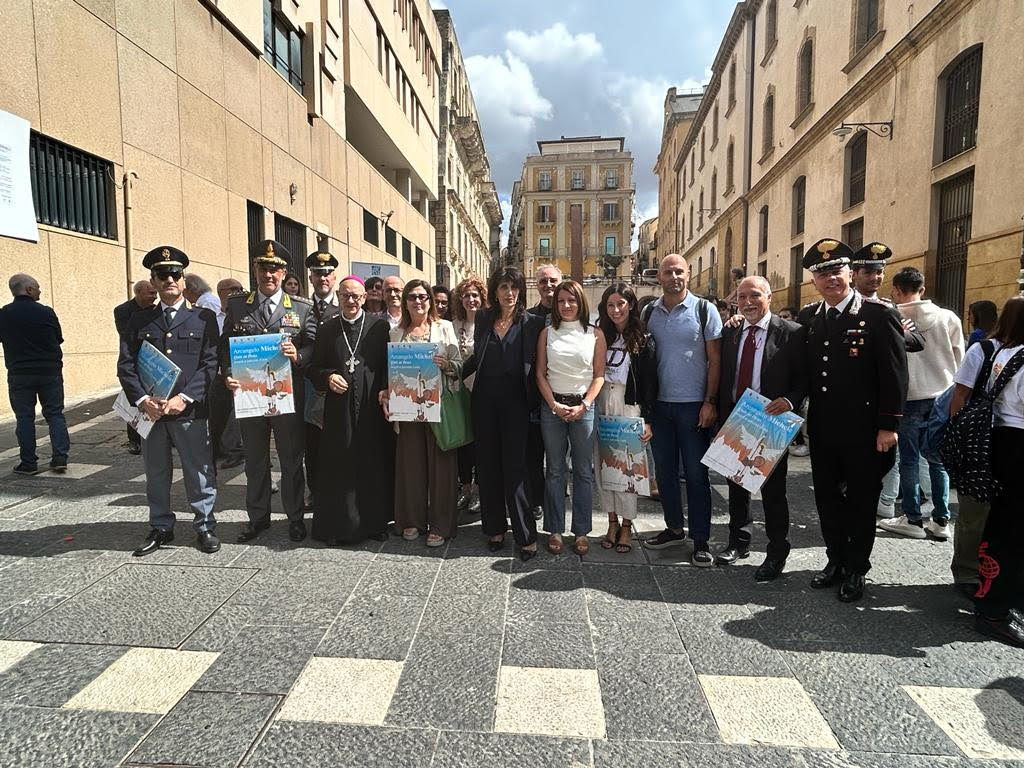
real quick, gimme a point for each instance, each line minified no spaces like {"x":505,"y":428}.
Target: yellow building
{"x":231,"y":121}
{"x":680,"y":109}
{"x":590,"y":177}
{"x":869,"y":120}
{"x":648,"y":253}
{"x":467,"y":215}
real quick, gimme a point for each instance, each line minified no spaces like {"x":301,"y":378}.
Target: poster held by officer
{"x":158,"y":375}
{"x":264,"y":375}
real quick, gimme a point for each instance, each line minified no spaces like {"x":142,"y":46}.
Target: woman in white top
{"x":1001,"y":554}
{"x":622,"y":395}
{"x":570,"y":372}
{"x":424,"y":473}
{"x":470,"y":297}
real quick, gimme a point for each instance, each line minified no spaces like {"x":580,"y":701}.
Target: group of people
{"x":870,"y":370}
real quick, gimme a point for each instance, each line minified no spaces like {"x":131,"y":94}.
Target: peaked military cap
{"x":872,"y":255}
{"x":321,"y":260}
{"x":270,"y":252}
{"x":165,"y":257}
{"x":827,"y":252}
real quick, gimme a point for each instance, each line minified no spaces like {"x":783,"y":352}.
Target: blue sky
{"x":541,"y":69}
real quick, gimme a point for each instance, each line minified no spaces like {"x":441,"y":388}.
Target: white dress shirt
{"x":176,"y":307}
{"x":759,"y":340}
{"x":274,"y":300}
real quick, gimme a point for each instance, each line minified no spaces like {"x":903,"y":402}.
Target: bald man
{"x":392,"y":290}
{"x":764,"y":354}
{"x":144,"y":296}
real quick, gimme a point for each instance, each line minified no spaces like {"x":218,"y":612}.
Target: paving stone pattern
{"x":275,"y":654}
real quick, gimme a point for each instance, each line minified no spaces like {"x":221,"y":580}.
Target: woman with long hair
{"x":470,"y":296}
{"x":627,"y":381}
{"x":291,"y":285}
{"x":570,"y":372}
{"x":504,"y":393}
{"x":426,"y":472}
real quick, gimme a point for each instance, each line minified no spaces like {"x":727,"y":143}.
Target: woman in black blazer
{"x":504,"y":393}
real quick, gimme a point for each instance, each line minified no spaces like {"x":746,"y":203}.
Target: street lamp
{"x":879,"y":129}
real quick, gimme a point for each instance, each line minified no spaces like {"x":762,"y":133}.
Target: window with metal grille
{"x":799,"y":204}
{"x":282,"y":45}
{"x":857,"y":154}
{"x":853,"y":234}
{"x":390,"y":241}
{"x":963,"y":91}
{"x":762,"y":240}
{"x":866,"y":22}
{"x":610,"y":212}
{"x":805,"y":84}
{"x":255,"y":225}
{"x":292,"y":235}
{"x":956,"y":210}
{"x":371,"y":228}
{"x":406,"y":251}
{"x":72,"y":189}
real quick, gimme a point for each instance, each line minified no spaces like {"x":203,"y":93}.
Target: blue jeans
{"x":676,"y":434}
{"x":24,"y":389}
{"x":580,"y":436}
{"x":911,"y":435}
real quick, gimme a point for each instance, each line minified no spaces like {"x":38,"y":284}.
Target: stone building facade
{"x":866,"y":120}
{"x":648,"y":253}
{"x":316,"y":123}
{"x":467,"y":215}
{"x":680,"y":109}
{"x":591,"y":174}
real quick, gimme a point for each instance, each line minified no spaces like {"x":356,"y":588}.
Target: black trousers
{"x":1001,"y":554}
{"x":500,"y":425}
{"x":225,"y":436}
{"x":847,"y":481}
{"x":534,"y":462}
{"x":776,"y":513}
{"x":467,"y":463}
{"x":313,"y":433}
{"x":133,"y":437}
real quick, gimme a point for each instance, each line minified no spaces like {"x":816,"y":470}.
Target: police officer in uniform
{"x":187,"y":336}
{"x":857,"y":366}
{"x":270,"y":310}
{"x":868,"y":265}
{"x":322,"y":278}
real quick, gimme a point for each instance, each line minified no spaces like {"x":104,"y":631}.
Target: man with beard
{"x":353,"y":495}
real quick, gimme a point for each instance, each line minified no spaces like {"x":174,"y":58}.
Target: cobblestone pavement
{"x":393,"y":654}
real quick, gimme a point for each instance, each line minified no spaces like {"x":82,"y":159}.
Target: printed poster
{"x":750,"y":444}
{"x":623,"y":455}
{"x":17,"y":210}
{"x":414,"y":382}
{"x":158,"y":375}
{"x":265,"y":374}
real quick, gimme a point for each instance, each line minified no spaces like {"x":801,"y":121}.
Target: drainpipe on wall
{"x":747,"y":169}
{"x":126,"y":184}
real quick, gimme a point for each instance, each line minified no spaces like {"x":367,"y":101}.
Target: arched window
{"x":691,"y":219}
{"x":771,"y":16}
{"x":728,"y":247}
{"x":702,"y":134}
{"x":963,"y":92}
{"x":805,"y":77}
{"x":856,"y":168}
{"x":700,"y":265}
{"x":700,"y":215}
{"x":762,"y":240}
{"x":799,"y":204}
{"x":768,"y":123}
{"x":730,"y":165}
{"x":714,"y":125}
{"x":714,"y":191}
{"x":682,"y":227}
{"x":732,"y":83}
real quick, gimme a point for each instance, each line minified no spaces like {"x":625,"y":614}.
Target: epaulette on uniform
{"x":302,"y":300}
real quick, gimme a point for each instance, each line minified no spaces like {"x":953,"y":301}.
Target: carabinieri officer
{"x":857,"y":367}
{"x":270,"y":310}
{"x":187,"y":336}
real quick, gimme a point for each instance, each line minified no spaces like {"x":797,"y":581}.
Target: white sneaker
{"x":900,"y":526}
{"x":886,"y":510}
{"x":939,"y":530}
{"x":799,"y":450}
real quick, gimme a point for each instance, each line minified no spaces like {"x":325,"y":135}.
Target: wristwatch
{"x":711,"y":400}
{"x":587,"y":406}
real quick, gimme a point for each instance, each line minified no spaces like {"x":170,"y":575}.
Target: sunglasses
{"x":419,"y":298}
{"x":174,"y":274}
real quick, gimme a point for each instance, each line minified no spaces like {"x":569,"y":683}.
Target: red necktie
{"x":745,"y":377}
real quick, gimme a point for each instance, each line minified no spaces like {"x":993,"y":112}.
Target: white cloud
{"x":505,"y":93}
{"x":554,"y":44}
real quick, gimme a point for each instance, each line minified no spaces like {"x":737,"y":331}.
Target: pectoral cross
{"x":351,"y":364}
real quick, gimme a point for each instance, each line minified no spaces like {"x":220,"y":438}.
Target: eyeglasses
{"x":419,"y":298}
{"x":174,"y":275}
{"x":393,"y":290}
{"x":351,"y":296}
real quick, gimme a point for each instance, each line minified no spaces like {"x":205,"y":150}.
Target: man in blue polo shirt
{"x":688,"y":335}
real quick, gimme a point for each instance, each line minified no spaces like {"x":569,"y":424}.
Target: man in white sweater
{"x":931,"y":373}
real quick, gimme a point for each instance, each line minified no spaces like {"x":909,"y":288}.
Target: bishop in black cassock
{"x":354,"y":493}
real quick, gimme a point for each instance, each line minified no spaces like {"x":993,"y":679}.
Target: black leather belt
{"x":570,"y":400}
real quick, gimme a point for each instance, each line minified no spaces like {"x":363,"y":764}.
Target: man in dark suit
{"x":765,"y":354}
{"x":857,"y":382}
{"x":270,"y":310}
{"x":322,"y":279}
{"x":143,"y":298}
{"x":187,"y":336}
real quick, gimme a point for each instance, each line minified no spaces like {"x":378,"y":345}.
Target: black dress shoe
{"x":526,"y":555}
{"x":1004,"y":630}
{"x":379,"y":536}
{"x":134,"y":449}
{"x":296,"y":530}
{"x":731,"y":554}
{"x":769,"y":570}
{"x":208,"y":543}
{"x":252,"y":530}
{"x":828,"y":576}
{"x":154,"y":541}
{"x":852,"y":588}
{"x":495,"y":546}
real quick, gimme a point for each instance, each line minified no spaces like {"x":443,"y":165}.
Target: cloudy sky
{"x":541,"y":69}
